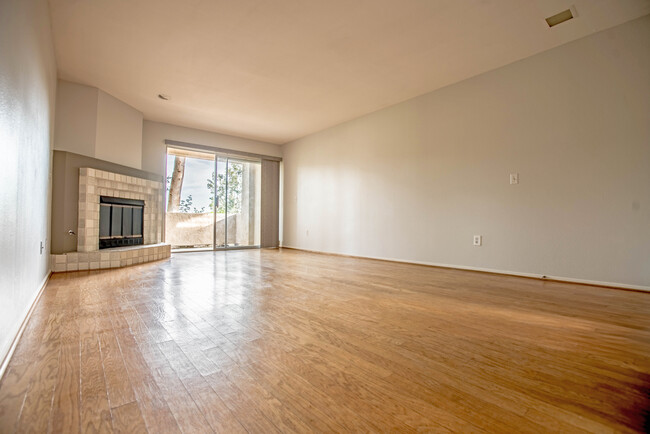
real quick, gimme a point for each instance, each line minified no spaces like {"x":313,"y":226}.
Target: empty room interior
{"x":265,"y":216}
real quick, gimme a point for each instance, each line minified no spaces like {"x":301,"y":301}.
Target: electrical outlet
{"x":514,"y":178}
{"x":478,"y":240}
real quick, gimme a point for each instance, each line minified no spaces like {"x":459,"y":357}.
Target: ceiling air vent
{"x":559,"y":18}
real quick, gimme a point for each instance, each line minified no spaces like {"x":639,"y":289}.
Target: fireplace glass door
{"x":120,"y":222}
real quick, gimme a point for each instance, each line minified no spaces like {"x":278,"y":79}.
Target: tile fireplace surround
{"x":94,"y":183}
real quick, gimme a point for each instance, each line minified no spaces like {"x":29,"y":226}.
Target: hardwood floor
{"x":287,"y":341}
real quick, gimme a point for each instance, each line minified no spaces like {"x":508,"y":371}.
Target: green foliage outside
{"x":235,"y":177}
{"x":187,"y":206}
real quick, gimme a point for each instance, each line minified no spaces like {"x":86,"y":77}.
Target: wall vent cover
{"x":559,"y":18}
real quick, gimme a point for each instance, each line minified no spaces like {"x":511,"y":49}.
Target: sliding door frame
{"x":223,"y":154}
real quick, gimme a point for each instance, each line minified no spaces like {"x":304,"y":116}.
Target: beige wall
{"x":154,"y":149}
{"x":93,"y":123}
{"x":27,"y":95}
{"x":417,"y":180}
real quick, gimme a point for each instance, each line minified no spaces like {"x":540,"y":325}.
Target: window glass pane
{"x":244,"y":203}
{"x":189,"y":220}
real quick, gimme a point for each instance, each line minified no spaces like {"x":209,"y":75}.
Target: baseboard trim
{"x":488,"y":270}
{"x":23,"y":325}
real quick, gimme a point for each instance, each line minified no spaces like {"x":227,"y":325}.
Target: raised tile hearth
{"x":110,"y":258}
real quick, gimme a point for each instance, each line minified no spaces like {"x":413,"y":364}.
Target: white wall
{"x":417,"y":180}
{"x":154,"y":149}
{"x":119,"y":132}
{"x":27,"y":95}
{"x":75,"y":129}
{"x":93,"y":123}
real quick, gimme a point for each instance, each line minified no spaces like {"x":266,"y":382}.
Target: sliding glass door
{"x":213,"y":201}
{"x":219,"y":193}
{"x":189,"y":217}
{"x":243,"y":188}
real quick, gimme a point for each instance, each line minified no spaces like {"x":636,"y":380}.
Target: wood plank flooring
{"x":286,"y":341}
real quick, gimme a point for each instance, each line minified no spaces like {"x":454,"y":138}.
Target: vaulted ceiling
{"x":277,"y":70}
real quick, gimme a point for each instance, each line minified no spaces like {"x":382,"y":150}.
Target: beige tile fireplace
{"x":93,"y":184}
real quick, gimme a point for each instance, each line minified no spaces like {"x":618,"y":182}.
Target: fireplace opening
{"x":120,"y":222}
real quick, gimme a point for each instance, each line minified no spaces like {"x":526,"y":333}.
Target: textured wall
{"x":27,"y":95}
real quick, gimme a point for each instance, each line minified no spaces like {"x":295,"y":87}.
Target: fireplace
{"x":101,"y":193}
{"x":94,"y":183}
{"x":120,"y":222}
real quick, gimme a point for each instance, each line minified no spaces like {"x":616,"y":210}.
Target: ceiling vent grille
{"x":559,"y":18}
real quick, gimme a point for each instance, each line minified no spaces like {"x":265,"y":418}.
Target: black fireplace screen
{"x":120,"y":222}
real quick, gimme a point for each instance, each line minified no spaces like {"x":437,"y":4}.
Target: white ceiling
{"x":277,"y":70}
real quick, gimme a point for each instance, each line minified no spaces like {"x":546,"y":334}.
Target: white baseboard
{"x":489,"y":270}
{"x":19,"y":332}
